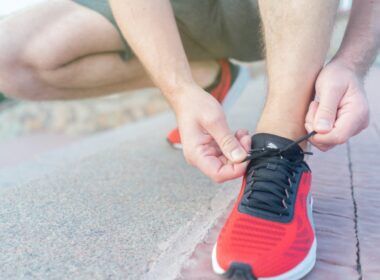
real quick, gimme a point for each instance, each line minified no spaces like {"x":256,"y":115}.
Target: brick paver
{"x":365,"y":151}
{"x":365,"y":166}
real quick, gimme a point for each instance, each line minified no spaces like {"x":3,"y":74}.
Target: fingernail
{"x":238,"y":155}
{"x":323,"y":124}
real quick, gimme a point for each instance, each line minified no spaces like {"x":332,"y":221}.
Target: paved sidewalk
{"x":346,"y":190}
{"x":25,"y":148}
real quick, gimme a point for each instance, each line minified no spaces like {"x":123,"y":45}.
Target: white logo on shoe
{"x":271,"y":145}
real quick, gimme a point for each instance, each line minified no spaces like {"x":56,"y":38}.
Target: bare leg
{"x":61,"y":50}
{"x":297,"y":36}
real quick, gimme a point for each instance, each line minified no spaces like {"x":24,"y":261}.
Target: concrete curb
{"x":179,"y":248}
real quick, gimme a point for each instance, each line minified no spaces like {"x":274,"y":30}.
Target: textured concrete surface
{"x":112,"y":206}
{"x":346,"y":197}
{"x":27,"y":147}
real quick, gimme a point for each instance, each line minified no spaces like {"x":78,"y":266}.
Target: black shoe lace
{"x":270,"y":177}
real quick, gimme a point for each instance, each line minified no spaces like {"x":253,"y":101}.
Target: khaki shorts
{"x":209,"y":29}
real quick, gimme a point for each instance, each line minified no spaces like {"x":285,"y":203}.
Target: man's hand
{"x":340,"y":109}
{"x":207,"y":141}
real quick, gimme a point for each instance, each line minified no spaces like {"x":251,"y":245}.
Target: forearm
{"x":151,"y":31}
{"x":362,"y":38}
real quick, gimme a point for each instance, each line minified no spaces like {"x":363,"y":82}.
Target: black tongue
{"x":267,"y":140}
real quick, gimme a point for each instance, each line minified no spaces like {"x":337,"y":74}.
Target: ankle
{"x":284,"y":128}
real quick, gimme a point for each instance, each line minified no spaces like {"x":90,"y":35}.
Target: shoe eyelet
{"x":284,"y":204}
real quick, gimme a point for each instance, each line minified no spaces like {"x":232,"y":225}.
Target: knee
{"x":18,"y":82}
{"x":18,"y":78}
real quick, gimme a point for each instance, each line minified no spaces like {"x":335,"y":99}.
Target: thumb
{"x":325,"y":115}
{"x":226,"y":140}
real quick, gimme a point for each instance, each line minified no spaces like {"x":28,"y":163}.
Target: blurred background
{"x":28,"y":129}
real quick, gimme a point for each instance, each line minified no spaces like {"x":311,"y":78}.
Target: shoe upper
{"x":173,"y":137}
{"x":270,"y":227}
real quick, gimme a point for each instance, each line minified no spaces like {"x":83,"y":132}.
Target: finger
{"x":223,"y":159}
{"x":246,"y":141}
{"x":345,"y":127}
{"x":325,"y":148}
{"x":212,"y":151}
{"x":325,"y":115}
{"x":231,"y":171}
{"x":319,"y":146}
{"x":311,"y":114}
{"x":244,"y":138}
{"x":220,"y":170}
{"x":218,"y":151}
{"x":226,"y":140}
{"x":309,"y":127}
{"x":240,"y":133}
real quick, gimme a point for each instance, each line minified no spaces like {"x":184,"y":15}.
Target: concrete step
{"x":121,"y":204}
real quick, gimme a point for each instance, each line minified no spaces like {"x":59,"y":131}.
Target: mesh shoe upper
{"x":270,"y":227}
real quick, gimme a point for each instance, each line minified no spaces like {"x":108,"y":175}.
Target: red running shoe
{"x":270,"y":232}
{"x":229,"y":85}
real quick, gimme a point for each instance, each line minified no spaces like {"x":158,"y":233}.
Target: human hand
{"x":207,"y":142}
{"x":340,"y":109}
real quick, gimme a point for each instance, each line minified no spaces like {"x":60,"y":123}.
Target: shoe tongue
{"x":266,"y":140}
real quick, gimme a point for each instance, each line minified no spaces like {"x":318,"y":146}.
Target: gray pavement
{"x":119,"y":205}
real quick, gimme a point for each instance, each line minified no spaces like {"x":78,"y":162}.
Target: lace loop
{"x":270,"y":176}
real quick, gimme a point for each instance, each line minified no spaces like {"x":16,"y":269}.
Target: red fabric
{"x":270,"y":248}
{"x":221,"y":90}
{"x":174,"y":137}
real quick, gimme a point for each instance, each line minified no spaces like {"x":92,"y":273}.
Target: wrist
{"x":177,"y":93}
{"x":347,"y":61}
